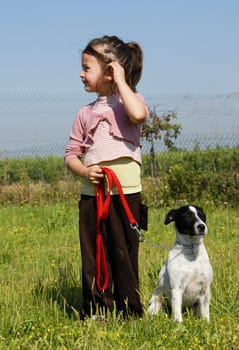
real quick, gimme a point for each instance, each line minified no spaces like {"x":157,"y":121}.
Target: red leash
{"x":103,"y":203}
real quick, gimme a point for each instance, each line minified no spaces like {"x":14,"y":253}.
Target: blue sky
{"x":189,"y":46}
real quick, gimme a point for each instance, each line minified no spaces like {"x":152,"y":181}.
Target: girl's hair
{"x":128,"y":55}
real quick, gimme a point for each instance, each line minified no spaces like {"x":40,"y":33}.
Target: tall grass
{"x":40,"y":283}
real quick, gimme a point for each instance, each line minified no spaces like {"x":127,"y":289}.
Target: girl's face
{"x":92,"y":74}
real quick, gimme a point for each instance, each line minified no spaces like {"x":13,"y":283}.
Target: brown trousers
{"x":121,"y":247}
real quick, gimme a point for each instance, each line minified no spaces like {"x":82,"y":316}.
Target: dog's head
{"x":189,"y":220}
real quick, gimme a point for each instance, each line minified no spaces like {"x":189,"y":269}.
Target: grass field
{"x":40,"y":283}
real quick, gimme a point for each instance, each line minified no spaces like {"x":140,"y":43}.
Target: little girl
{"x":106,"y":133}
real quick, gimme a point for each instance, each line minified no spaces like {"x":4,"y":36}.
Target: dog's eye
{"x":187,"y":219}
{"x":202,"y":217}
{"x":187,"y":215}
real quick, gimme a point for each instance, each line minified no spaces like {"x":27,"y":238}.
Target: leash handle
{"x":101,"y":262}
{"x":100,"y":259}
{"x":112,"y":178}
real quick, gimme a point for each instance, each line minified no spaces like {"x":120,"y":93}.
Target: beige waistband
{"x":128,"y":173}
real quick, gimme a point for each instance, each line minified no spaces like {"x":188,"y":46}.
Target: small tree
{"x":157,"y":128}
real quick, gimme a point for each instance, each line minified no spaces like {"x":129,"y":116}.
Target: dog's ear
{"x":170,"y":216}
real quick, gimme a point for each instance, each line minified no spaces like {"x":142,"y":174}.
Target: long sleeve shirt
{"x":125,"y":135}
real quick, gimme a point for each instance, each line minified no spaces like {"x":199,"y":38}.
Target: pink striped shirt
{"x":102,"y":132}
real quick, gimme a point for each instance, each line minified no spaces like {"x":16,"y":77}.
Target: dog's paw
{"x":178,"y":318}
{"x":155,"y":306}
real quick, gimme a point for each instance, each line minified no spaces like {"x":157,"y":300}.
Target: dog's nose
{"x":201,"y":228}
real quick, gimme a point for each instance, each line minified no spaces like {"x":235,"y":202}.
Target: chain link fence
{"x":39,"y":125}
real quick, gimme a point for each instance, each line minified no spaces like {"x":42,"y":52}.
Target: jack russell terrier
{"x":184,"y":280}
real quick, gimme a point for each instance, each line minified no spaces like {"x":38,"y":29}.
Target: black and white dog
{"x":184,"y":280}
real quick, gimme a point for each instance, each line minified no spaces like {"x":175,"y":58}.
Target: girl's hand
{"x":118,"y":72}
{"x":94,"y":174}
{"x":134,"y":106}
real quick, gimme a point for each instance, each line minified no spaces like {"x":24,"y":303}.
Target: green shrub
{"x":211,"y":174}
{"x":183,"y":176}
{"x":49,"y":170}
